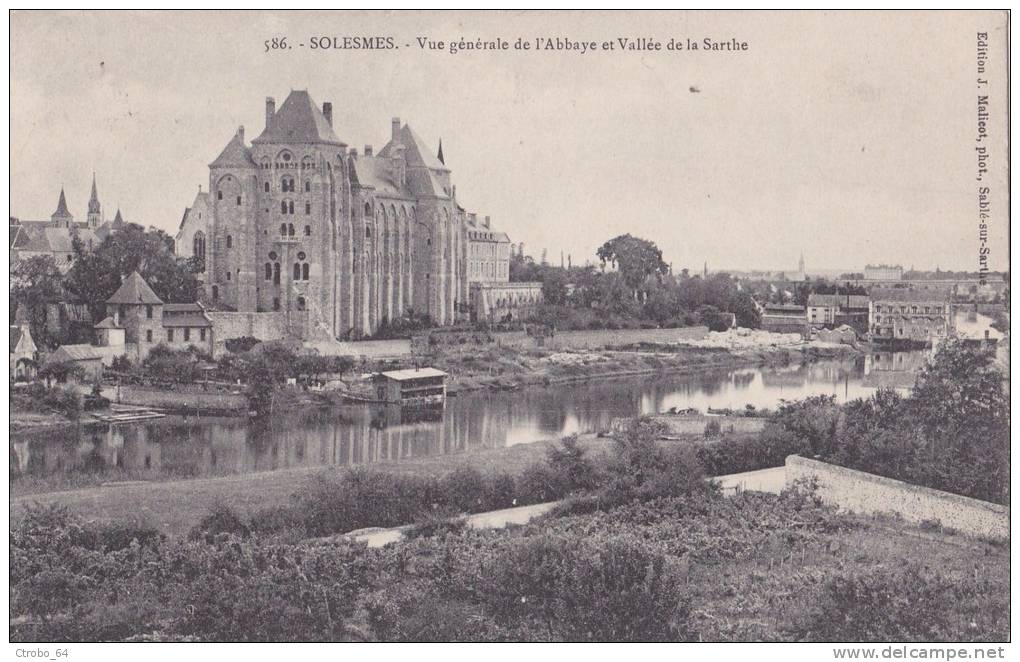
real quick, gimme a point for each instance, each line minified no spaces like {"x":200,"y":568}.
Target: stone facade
{"x":190,"y":240}
{"x":908,"y":315}
{"x":336,"y":241}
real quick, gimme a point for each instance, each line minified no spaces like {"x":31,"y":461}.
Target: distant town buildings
{"x":55,"y":237}
{"x":883,"y":272}
{"x":908,"y":315}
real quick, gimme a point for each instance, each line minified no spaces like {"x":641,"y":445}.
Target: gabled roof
{"x":134,"y":290}
{"x":74,"y":353}
{"x":15,"y":339}
{"x":377,"y":172}
{"x":411,"y":373}
{"x":299,"y":120}
{"x":416,"y":151}
{"x":235,"y":154}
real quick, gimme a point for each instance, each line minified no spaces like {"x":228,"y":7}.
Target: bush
{"x":240,"y":345}
{"x":911,"y":603}
{"x":570,"y":461}
{"x":578,"y":589}
{"x":643,"y":469}
{"x":221,"y":519}
{"x":712,"y":429}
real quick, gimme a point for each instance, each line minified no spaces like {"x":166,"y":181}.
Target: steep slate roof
{"x":377,"y":172}
{"x":235,"y":154}
{"x":15,"y":339}
{"x":299,"y":120}
{"x":416,"y":151}
{"x":186,"y":319}
{"x":134,"y":290}
{"x":909,"y":295}
{"x":62,"y":211}
{"x":107,"y":323}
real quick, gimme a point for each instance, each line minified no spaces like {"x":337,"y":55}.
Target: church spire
{"x":95,"y":210}
{"x":440,"y":155}
{"x":62,"y":217}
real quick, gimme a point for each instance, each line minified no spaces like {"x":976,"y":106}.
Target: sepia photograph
{"x":351,"y":326}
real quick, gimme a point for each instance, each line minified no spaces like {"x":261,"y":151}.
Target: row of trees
{"x":635,"y":283}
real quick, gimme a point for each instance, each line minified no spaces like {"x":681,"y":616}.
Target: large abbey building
{"x":335,"y":240}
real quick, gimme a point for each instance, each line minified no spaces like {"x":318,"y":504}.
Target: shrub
{"x":463,"y":490}
{"x":912,"y":603}
{"x":240,"y":345}
{"x":572,"y":463}
{"x":575,"y":589}
{"x":221,"y":519}
{"x":712,"y":429}
{"x":641,"y":468}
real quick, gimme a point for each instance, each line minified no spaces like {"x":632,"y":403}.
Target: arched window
{"x":198,"y":244}
{"x":297,"y":271}
{"x":283,"y":229}
{"x":215,"y":293}
{"x":276,"y":273}
{"x":267,"y":187}
{"x":308,"y":208}
{"x":219,"y":195}
{"x":290,"y":229}
{"x":308,"y":231}
{"x":269,"y":271}
{"x":304,"y":271}
{"x":230,"y":241}
{"x":368,"y":210}
{"x":308,"y":186}
{"x":368,"y":231}
{"x":290,"y":207}
{"x":287,"y":184}
{"x":300,"y":303}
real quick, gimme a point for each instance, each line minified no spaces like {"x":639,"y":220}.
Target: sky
{"x":848,"y":137}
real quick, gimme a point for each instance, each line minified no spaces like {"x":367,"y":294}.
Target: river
{"x":184,"y":447}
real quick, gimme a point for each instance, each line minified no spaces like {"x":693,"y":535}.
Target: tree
{"x":35,"y":281}
{"x":636,"y":259}
{"x":98,"y":273}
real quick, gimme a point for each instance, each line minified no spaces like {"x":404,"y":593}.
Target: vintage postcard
{"x":510,"y":326}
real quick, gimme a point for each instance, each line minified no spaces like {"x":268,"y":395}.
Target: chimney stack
{"x":327,"y":111}
{"x":270,"y":110}
{"x":240,"y":133}
{"x":394,"y":127}
{"x":486,"y":225}
{"x":368,"y":150}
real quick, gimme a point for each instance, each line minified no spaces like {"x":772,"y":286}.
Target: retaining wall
{"x":862,"y":492}
{"x":227,"y":325}
{"x":599,"y":338}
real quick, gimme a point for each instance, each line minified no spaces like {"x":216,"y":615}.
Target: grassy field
{"x":176,"y":506}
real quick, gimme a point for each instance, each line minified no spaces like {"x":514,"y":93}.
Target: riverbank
{"x":175,"y":506}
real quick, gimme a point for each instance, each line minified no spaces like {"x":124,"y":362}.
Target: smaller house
{"x":836,"y":309}
{"x":88,"y":358}
{"x":415,"y":386}
{"x":786,"y":318}
{"x":22,"y":352}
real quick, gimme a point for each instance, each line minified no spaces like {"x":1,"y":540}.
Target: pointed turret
{"x":95,"y":209}
{"x":118,"y":220}
{"x":440,"y":154}
{"x":62,"y":217}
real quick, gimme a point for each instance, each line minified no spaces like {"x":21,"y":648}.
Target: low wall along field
{"x":866,"y":493}
{"x":601,"y":338}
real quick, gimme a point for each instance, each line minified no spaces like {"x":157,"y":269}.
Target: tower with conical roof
{"x":62,"y":218}
{"x":95,"y":214}
{"x":135,"y":308}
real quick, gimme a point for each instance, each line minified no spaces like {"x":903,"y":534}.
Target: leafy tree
{"x":636,"y":259}
{"x":98,"y":273}
{"x":34,"y":282}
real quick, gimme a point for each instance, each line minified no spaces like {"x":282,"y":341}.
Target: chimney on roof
{"x":240,"y":133}
{"x":368,"y":150}
{"x":394,"y":128}
{"x":486,"y":224}
{"x":270,"y":110}
{"x":327,"y":111}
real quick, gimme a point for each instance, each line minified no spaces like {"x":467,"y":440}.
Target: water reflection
{"x":344,"y":436}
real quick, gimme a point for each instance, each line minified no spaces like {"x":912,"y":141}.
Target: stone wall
{"x":866,"y":493}
{"x":601,"y":338}
{"x":227,"y":325}
{"x":181,"y":399}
